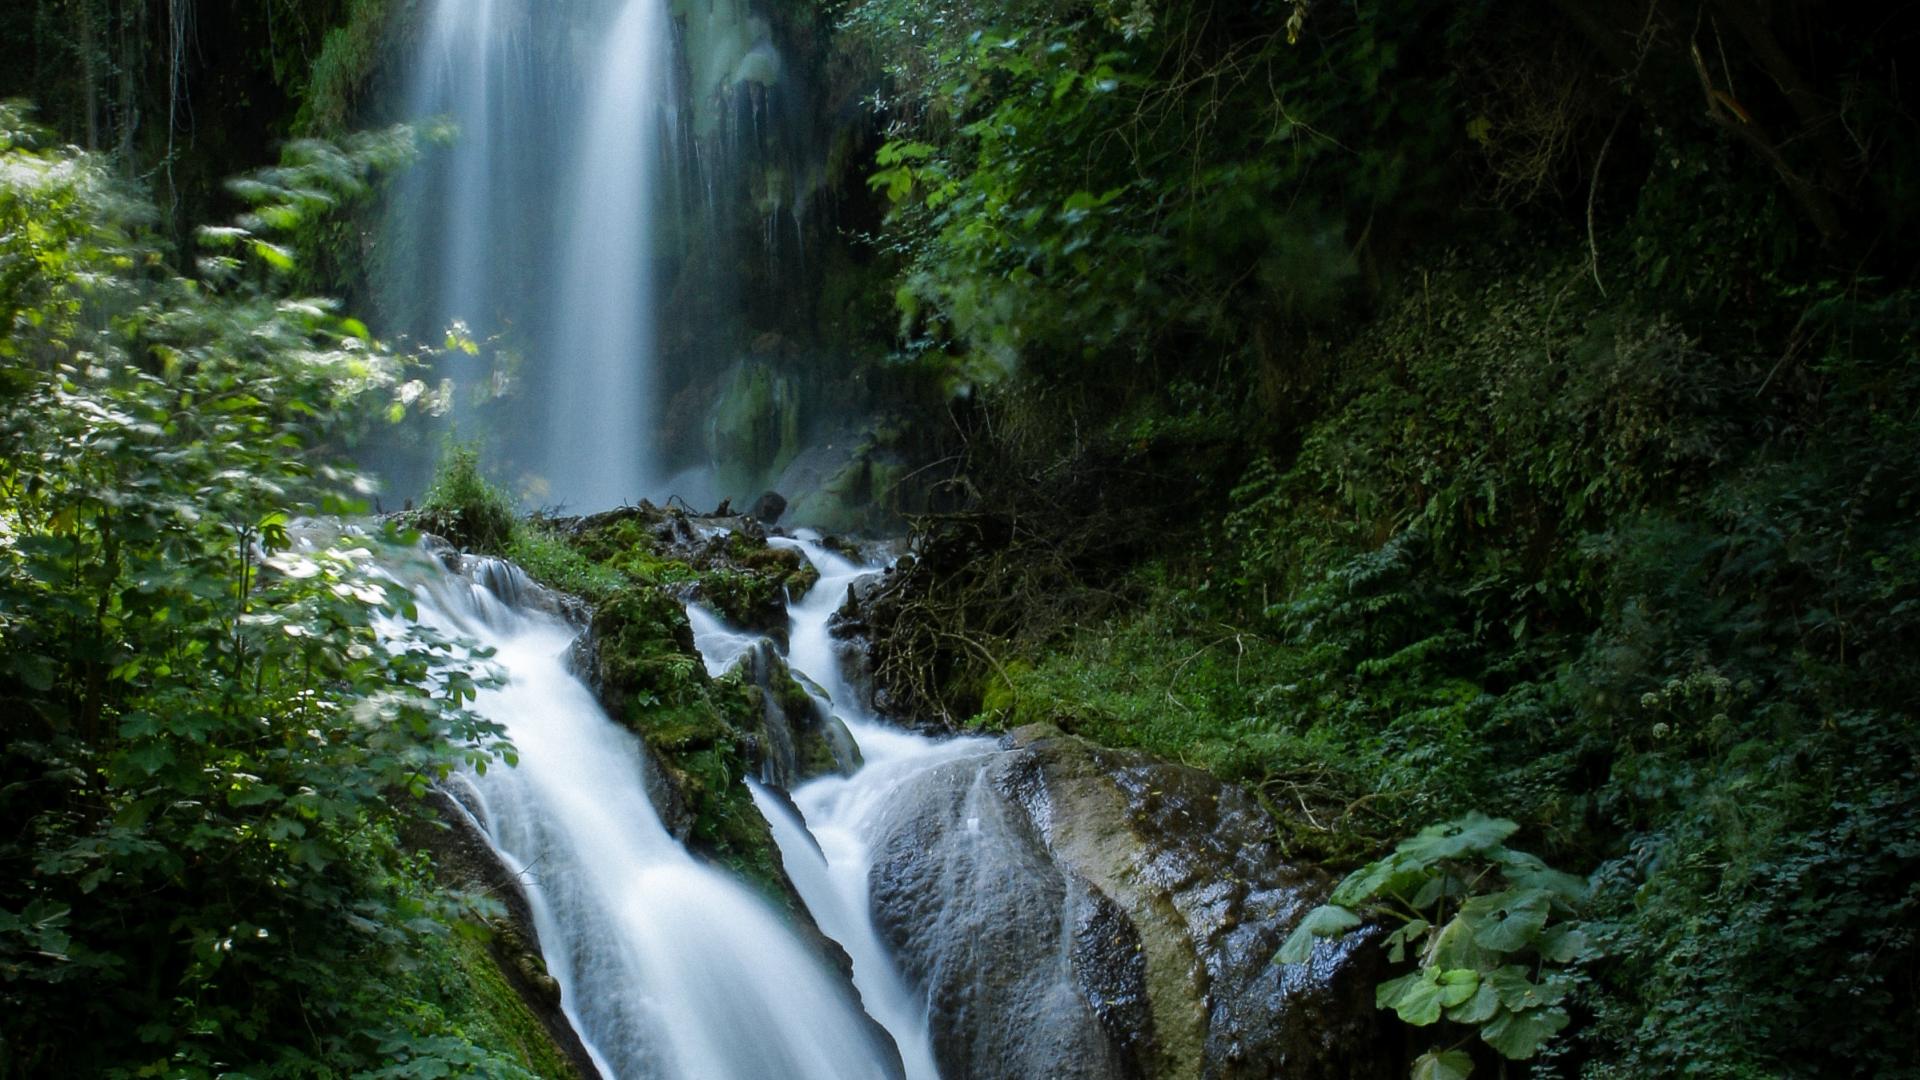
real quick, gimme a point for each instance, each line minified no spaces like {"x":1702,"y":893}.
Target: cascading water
{"x":668,"y":968}
{"x":827,"y":850}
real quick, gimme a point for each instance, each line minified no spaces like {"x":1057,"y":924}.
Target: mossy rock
{"x":736,"y":573}
{"x":497,"y":1012}
{"x":645,"y":651}
{"x":754,"y":427}
{"x":728,"y":828}
{"x":750,"y":584}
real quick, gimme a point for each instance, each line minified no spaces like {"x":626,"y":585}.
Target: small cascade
{"x":827,"y":847}
{"x":669,"y":969}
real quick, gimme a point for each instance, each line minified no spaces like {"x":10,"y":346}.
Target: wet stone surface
{"x":1092,"y":913}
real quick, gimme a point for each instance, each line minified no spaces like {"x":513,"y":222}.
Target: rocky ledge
{"x":1078,"y":912}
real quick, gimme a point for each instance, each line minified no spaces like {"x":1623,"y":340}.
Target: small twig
{"x":1593,"y":193}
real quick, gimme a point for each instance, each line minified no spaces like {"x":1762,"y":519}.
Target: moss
{"x":559,"y":564}
{"x":647,"y":656}
{"x":488,"y":1009}
{"x":754,"y":428}
{"x":636,"y":566}
{"x":628,"y":545}
{"x":341,"y":72}
{"x":728,"y":828}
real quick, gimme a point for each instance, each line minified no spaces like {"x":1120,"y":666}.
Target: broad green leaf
{"x":1454,"y":946}
{"x":1327,"y":920}
{"x":1437,"y":888}
{"x":1474,"y":834}
{"x":1391,"y":876}
{"x":1518,"y":992}
{"x":1419,"y":997}
{"x":1524,"y":871}
{"x":1477,"y":1009}
{"x":1507,"y":921}
{"x":1564,"y":944}
{"x":150,"y":757}
{"x":1520,"y":1035}
{"x":1398,"y":941}
{"x":1443,"y":1065}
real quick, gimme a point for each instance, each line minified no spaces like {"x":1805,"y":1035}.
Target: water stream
{"x":829,"y":853}
{"x":668,"y":968}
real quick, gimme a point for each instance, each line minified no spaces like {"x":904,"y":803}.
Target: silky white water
{"x":599,"y":403}
{"x":536,"y":230}
{"x":830,"y":867}
{"x":668,"y":968}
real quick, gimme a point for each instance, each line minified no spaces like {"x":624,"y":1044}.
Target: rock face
{"x":768,"y":507}
{"x":798,"y":739}
{"x":463,"y":859}
{"x":1077,"y":912}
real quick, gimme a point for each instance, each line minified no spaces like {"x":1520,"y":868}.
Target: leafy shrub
{"x":463,"y":506}
{"x":207,"y":744}
{"x":1480,"y":921}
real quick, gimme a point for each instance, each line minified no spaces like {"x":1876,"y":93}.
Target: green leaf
{"x":1436,"y":888}
{"x":1507,"y":921}
{"x":1419,"y":997}
{"x":1520,"y":1035}
{"x":1529,"y":872}
{"x":274,"y":255}
{"x":1327,"y":920}
{"x":1443,"y":1065}
{"x":1391,"y":876}
{"x":1454,"y":946}
{"x":1518,"y":992}
{"x":1479,"y":1008}
{"x":1564,"y":944}
{"x":150,"y":757}
{"x":1474,"y":834}
{"x":1398,"y":941}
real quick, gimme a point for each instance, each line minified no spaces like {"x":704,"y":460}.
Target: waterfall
{"x":668,"y":968}
{"x":599,"y":405}
{"x":462,"y":214}
{"x":603,"y":157}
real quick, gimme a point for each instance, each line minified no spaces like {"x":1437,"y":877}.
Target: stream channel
{"x":669,"y":967}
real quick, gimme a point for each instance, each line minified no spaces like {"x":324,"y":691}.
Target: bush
{"x":463,"y":506}
{"x":207,"y":746}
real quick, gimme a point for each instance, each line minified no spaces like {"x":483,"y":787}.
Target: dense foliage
{"x":1430,"y":408}
{"x":213,"y":723}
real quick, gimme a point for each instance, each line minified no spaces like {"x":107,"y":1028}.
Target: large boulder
{"x":1079,"y":912}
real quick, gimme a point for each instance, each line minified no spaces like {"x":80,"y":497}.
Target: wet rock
{"x":768,"y":507}
{"x":1060,"y":899}
{"x":463,"y":859}
{"x":979,"y":914}
{"x":799,"y":739}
